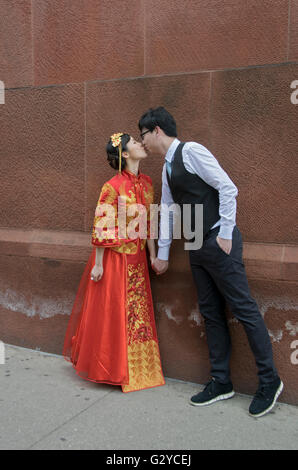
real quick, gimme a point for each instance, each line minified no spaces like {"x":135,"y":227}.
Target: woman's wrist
{"x":151,"y":248}
{"x":99,"y":257}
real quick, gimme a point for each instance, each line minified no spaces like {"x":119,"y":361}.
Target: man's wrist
{"x":163,"y":253}
{"x":226,"y":232}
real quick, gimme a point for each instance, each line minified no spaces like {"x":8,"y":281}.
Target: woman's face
{"x":135,"y":150}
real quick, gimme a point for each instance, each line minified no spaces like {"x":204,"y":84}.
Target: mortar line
{"x":144,"y":35}
{"x":210,"y":109}
{"x":173,"y":74}
{"x":32,"y":45}
{"x":289,"y":30}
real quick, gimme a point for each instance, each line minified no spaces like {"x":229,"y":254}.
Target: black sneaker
{"x":265,"y":398}
{"x":214,"y":391}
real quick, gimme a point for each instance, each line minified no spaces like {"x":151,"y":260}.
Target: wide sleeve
{"x":105,"y":225}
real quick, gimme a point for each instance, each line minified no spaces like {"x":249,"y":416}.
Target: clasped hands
{"x":160,"y":266}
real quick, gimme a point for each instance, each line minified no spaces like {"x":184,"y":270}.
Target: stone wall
{"x":76,"y":71}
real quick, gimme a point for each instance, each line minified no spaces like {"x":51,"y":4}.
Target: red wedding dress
{"x":111,"y":335}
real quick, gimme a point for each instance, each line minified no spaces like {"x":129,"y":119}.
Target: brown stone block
{"x":264,"y":252}
{"x":71,"y":246}
{"x":33,"y":332}
{"x":16,"y":68}
{"x":290,"y":271}
{"x":264,"y":270}
{"x":293,"y":33}
{"x":42,"y":158}
{"x":263,"y":260}
{"x":290,"y":263}
{"x":75,"y":41}
{"x":116,"y":106}
{"x":205,"y":35}
{"x":36,"y":298}
{"x":290,"y":254}
{"x":253,"y":135}
{"x":278,"y":303}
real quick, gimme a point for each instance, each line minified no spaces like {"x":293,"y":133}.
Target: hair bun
{"x":113,"y":153}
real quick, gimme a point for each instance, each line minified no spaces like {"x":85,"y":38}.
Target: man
{"x":192,"y":175}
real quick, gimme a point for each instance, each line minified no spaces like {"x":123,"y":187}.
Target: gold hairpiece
{"x":116,"y":142}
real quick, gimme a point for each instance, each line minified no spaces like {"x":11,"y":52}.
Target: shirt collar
{"x":172,"y":149}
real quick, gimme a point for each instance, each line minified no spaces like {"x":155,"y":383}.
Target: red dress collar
{"x":131,"y":175}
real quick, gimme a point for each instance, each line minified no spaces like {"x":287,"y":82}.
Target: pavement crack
{"x":69,"y":420}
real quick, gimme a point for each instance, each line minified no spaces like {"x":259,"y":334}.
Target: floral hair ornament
{"x":116,"y":142}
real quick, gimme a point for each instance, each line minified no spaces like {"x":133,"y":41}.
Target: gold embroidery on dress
{"x":130,"y":248}
{"x":149,"y":195}
{"x":139,"y":327}
{"x":144,"y":366}
{"x":143,"y":352}
{"x":127,"y":195}
{"x":109,"y":195}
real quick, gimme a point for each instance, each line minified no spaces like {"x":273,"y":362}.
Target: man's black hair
{"x":158,"y":117}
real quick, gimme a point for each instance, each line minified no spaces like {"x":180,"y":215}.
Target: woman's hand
{"x":160,"y":266}
{"x":96,"y":273}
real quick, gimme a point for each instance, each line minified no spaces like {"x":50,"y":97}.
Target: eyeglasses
{"x":143,"y":133}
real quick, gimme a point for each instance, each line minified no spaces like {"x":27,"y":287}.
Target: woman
{"x":111,"y":336}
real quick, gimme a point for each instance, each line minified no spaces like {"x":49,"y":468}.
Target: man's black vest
{"x":189,"y":188}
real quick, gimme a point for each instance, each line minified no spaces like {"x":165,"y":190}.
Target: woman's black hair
{"x":159,"y":117}
{"x":113,"y":152}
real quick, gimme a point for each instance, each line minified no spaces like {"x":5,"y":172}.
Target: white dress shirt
{"x":198,"y":160}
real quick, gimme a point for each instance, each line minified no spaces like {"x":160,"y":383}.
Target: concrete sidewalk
{"x":45,"y":405}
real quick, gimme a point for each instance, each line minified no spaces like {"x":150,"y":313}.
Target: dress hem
{"x":111,"y":383}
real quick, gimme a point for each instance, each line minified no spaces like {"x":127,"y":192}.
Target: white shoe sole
{"x":278,"y":392}
{"x":225,"y":396}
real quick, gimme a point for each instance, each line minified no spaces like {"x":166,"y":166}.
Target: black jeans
{"x":221,"y":278}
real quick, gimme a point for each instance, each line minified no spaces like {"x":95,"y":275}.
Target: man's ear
{"x":159,"y":131}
